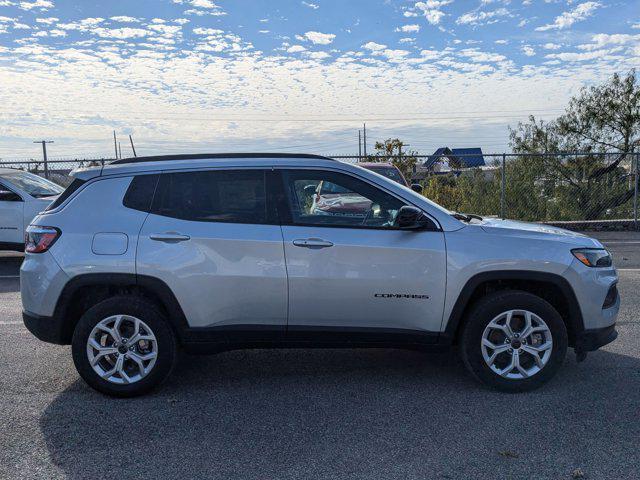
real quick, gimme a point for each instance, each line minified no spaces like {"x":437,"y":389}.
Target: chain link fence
{"x":551,"y":188}
{"x":56,"y":169}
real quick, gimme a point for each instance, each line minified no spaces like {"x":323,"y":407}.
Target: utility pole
{"x":115,"y":143}
{"x":132,"y":147}
{"x":359,"y":146}
{"x":44,"y":154}
{"x":365,"y":140}
{"x":120,"y":149}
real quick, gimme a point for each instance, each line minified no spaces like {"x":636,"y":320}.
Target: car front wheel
{"x":513,"y":341}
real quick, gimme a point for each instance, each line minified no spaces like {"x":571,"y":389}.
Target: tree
{"x":602,"y":118}
{"x":391,"y":151}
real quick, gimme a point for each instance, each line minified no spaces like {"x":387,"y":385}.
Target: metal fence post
{"x":503,"y":187}
{"x":635,"y":192}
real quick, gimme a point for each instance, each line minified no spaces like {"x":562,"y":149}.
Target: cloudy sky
{"x":290,"y":75}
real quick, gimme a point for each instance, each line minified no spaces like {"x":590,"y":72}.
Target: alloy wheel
{"x":516,"y":344}
{"x":122,"y":349}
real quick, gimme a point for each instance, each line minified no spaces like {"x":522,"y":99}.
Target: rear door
{"x":213,"y":237}
{"x":350,"y":269}
{"x":11,"y":216}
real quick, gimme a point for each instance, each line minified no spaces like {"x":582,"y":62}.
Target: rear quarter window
{"x":139,"y":195}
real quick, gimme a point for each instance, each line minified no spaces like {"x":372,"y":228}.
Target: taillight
{"x":39,"y":239}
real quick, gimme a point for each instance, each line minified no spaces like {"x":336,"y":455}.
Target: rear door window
{"x":232,"y":196}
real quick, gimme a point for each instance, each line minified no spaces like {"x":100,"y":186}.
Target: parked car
{"x":389,"y":170}
{"x":217,"y":252}
{"x":22,"y":196}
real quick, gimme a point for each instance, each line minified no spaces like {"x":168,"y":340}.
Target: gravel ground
{"x":291,"y":414}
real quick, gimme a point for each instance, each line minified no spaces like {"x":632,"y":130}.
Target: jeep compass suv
{"x":209,"y":253}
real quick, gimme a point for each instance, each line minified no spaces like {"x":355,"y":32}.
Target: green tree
{"x":392,"y":150}
{"x":602,"y":118}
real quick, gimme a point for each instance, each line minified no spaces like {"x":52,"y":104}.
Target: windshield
{"x":33,"y":184}
{"x":389,"y":172}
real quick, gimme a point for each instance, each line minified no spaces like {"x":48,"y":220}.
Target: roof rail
{"x":204,"y":156}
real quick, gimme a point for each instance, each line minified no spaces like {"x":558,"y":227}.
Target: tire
{"x":154,"y":353}
{"x":486,"y":322}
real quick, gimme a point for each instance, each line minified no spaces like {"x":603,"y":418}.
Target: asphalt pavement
{"x":305,"y":414}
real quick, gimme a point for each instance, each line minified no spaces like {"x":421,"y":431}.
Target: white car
{"x":22,"y":196}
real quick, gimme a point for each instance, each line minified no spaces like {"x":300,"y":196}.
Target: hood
{"x":536,"y":230}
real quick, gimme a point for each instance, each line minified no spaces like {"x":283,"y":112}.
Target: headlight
{"x":593,"y":257}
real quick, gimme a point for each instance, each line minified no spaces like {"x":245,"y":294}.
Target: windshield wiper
{"x":461,"y":216}
{"x":466,"y":217}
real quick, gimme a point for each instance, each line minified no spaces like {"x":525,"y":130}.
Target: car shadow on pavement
{"x":350,"y":414}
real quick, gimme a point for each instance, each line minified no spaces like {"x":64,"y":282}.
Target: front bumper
{"x":47,"y":329}
{"x":590,"y":340}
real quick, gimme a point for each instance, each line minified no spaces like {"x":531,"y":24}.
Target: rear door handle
{"x":312,"y":243}
{"x":169,"y":237}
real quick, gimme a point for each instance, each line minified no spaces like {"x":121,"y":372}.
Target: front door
{"x":350,"y":269}
{"x":11,"y":216}
{"x":214,"y":239}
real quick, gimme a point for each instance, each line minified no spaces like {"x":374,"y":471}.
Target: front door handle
{"x":169,"y":237}
{"x":312,"y":243}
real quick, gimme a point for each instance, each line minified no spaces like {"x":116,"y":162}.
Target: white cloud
{"x":318,"y":38}
{"x":374,"y":47}
{"x":580,"y":57}
{"x":125,"y":19}
{"x":120,"y":33}
{"x":207,"y":31}
{"x":296,"y":49}
{"x":311,"y":5}
{"x":39,"y":4}
{"x":580,"y":13}
{"x":318,"y":55}
{"x":478,"y":56}
{"x":431,"y":9}
{"x":551,"y":46}
{"x":47,"y":21}
{"x":408,"y":28}
{"x":479,"y":18}
{"x":528,"y":51}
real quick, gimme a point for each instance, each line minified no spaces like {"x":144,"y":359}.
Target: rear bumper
{"x":46,"y":329}
{"x":590,"y":340}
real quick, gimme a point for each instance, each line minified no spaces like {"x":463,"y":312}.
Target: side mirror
{"x":310,"y":189}
{"x":9,"y":196}
{"x":412,"y":218}
{"x":416,"y":187}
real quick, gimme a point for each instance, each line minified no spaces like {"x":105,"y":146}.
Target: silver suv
{"x":217,"y":252}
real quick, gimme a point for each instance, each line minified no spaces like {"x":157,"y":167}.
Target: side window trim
{"x":284,"y":207}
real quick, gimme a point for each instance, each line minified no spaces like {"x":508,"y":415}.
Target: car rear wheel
{"x":123,"y":346}
{"x":513,"y":341}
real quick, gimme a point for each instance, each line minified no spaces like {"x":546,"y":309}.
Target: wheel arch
{"x":86,"y":290}
{"x":551,"y":287}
